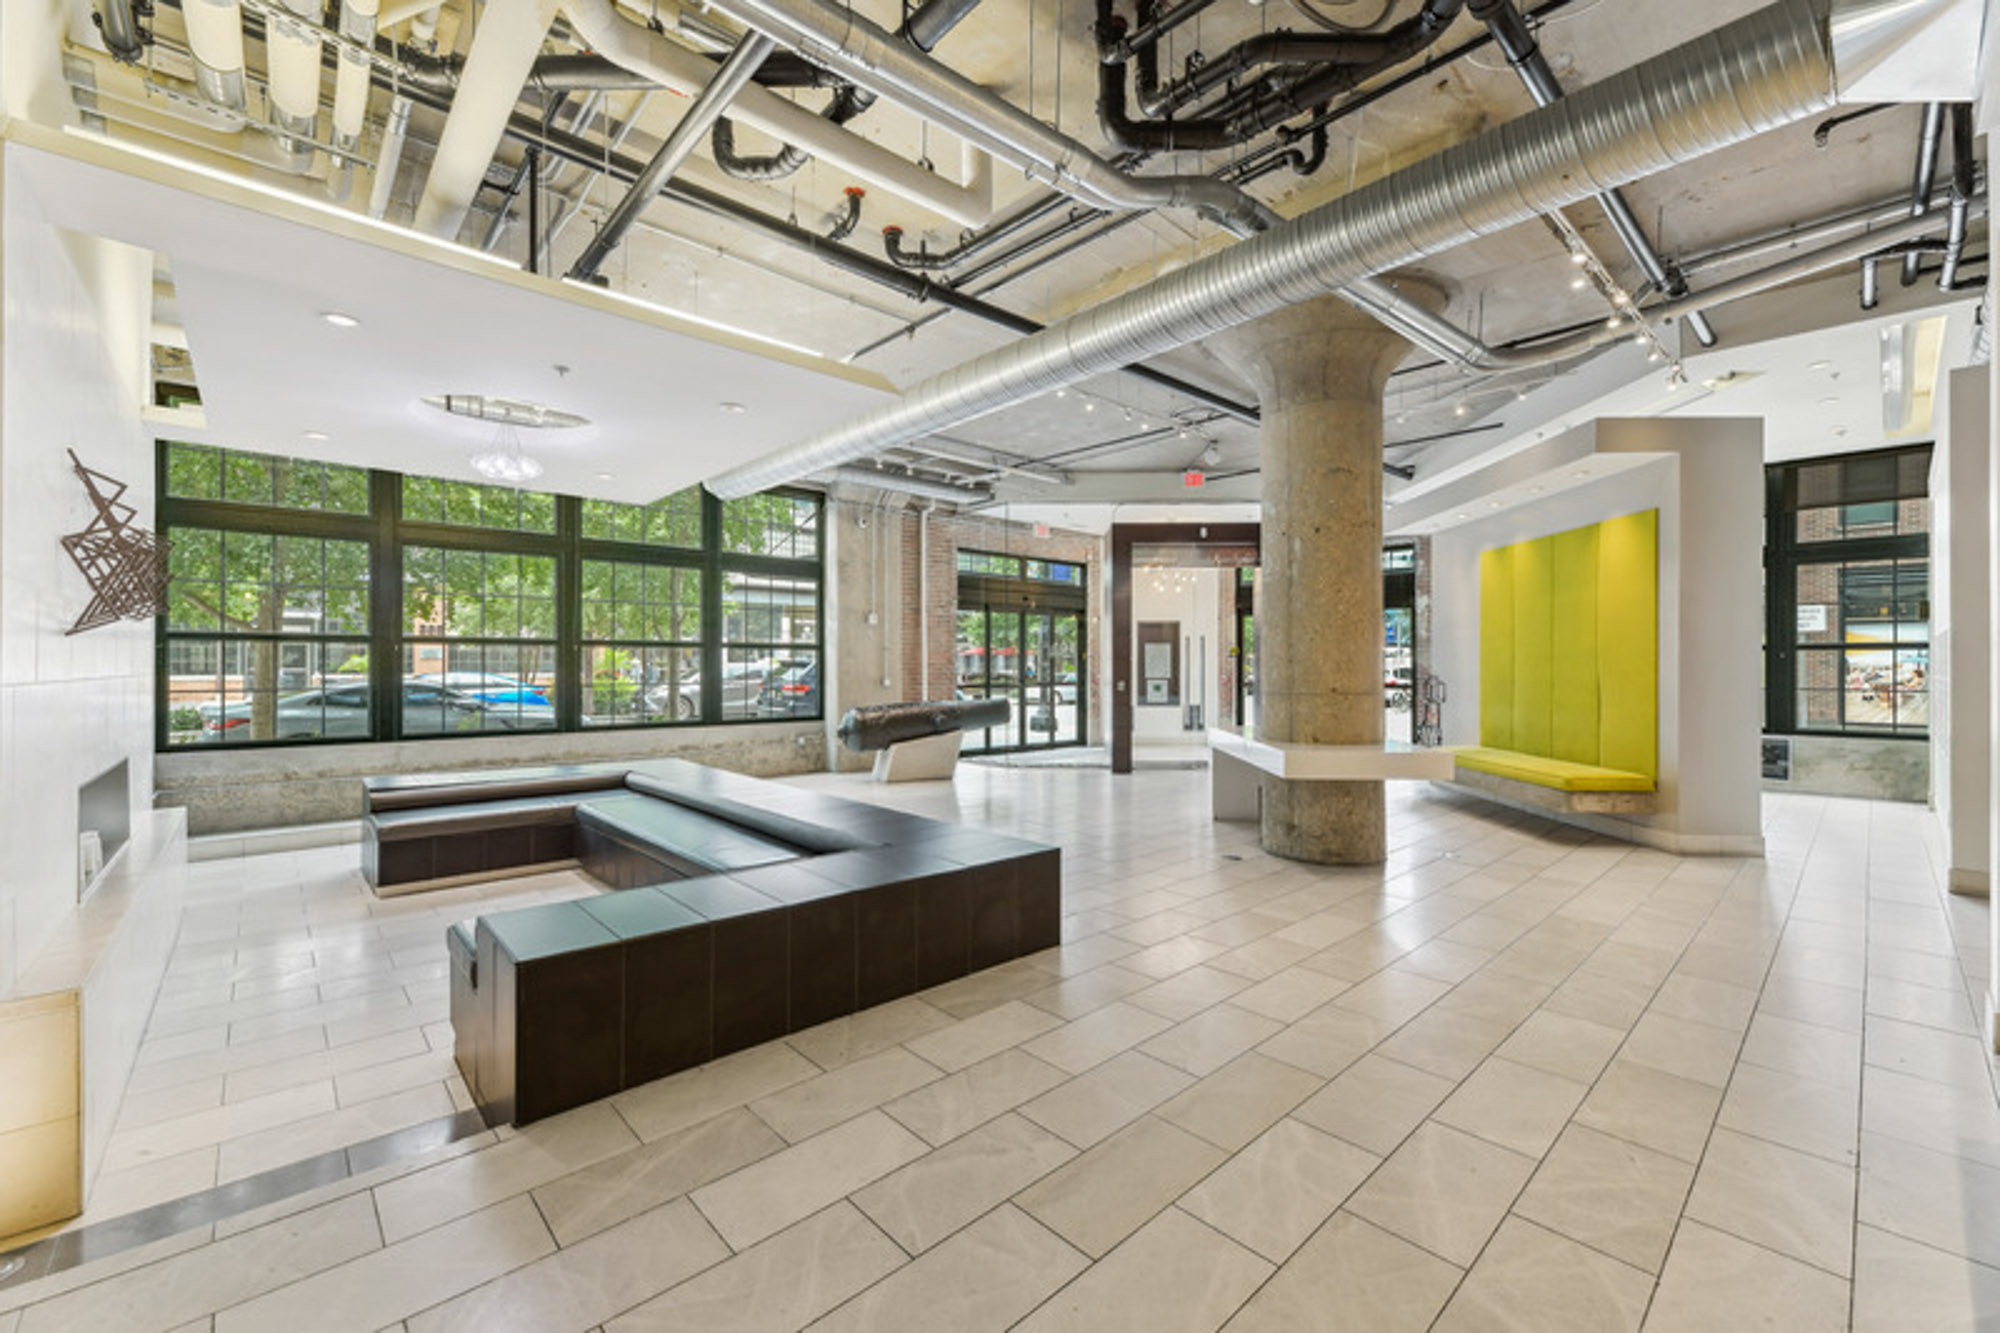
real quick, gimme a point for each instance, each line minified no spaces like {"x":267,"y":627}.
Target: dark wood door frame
{"x":1123,"y":537}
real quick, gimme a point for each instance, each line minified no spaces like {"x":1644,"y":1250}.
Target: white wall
{"x":1705,"y":476}
{"x":75,"y":311}
{"x":1961,"y":651}
{"x":1187,"y":596}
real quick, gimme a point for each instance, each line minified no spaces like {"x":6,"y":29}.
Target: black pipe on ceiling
{"x":1264,"y":104}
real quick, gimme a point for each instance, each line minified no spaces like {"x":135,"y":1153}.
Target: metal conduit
{"x":1524,"y":53}
{"x":1384,"y":302}
{"x":877,"y":60}
{"x":1767,"y":69}
{"x":1926,"y":175}
{"x":1963,"y":172}
{"x":680,"y":142}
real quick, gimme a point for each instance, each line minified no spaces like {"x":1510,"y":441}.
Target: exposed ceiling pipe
{"x":123,"y":37}
{"x":1151,"y":30}
{"x":1040,"y":476}
{"x":292,"y":61}
{"x":1871,"y":285}
{"x":924,"y":29}
{"x":917,"y":486}
{"x":396,"y":127}
{"x":877,"y":60}
{"x":1928,"y":137}
{"x":674,"y":66}
{"x":702,"y":113}
{"x":1963,"y":173}
{"x":1453,"y":344}
{"x":1761,"y":71}
{"x":351,"y":82}
{"x":1524,"y":53}
{"x":503,"y":50}
{"x":1332,"y":66}
{"x":215,"y":39}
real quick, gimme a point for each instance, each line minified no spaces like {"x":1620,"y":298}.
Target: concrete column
{"x":1319,"y":369}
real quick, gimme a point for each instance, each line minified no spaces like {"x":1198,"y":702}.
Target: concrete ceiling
{"x":1040,"y":56}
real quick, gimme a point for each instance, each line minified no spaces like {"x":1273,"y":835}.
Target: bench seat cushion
{"x":427,"y":822}
{"x":409,"y":792}
{"x":680,"y":834}
{"x":799,"y":833}
{"x":1559,"y":774}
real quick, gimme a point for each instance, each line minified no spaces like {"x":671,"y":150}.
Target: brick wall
{"x":930,"y":596}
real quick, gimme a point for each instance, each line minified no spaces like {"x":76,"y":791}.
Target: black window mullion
{"x":712,"y":628}
{"x":569,"y":614}
{"x":385,"y":606}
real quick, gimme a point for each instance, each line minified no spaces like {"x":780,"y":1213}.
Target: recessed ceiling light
{"x":604,"y":476}
{"x":1818,"y":365}
{"x":1581,"y":472}
{"x":314,"y":435}
{"x":733,"y":409}
{"x":1578,"y":283}
{"x":339,"y":319}
{"x":1833,"y":401}
{"x":1461,"y":516}
{"x":1492,"y":504}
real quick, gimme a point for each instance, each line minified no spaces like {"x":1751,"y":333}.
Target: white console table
{"x":1236,"y":757}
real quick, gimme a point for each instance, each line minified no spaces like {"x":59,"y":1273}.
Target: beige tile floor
{"x":1515,"y":1078}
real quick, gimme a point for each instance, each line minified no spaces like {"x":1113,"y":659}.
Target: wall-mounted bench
{"x":1554,"y":784}
{"x":1568,"y":671}
{"x":748,"y":910}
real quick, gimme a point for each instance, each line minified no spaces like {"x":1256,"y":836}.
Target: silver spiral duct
{"x":1762,"y":71}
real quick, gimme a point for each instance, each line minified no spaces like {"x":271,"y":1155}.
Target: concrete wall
{"x":72,"y":375}
{"x":1961,"y":641}
{"x":314,"y":784}
{"x":1705,"y":476}
{"x":1874,"y":767}
{"x":864,"y":608}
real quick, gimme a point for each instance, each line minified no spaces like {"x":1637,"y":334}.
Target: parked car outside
{"x":742,"y":691}
{"x":341,"y":712}
{"x":792,"y":692}
{"x":487,"y":686}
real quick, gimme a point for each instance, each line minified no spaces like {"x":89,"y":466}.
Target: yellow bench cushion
{"x":1560,"y":774}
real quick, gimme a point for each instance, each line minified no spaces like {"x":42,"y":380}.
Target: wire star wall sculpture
{"x":125,"y":564}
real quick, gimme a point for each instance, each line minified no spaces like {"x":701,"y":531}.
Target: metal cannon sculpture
{"x":918,"y":740}
{"x":878,"y":726}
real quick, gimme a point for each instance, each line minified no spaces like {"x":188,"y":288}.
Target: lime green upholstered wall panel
{"x":1628,"y":637}
{"x":1496,"y":648}
{"x":1569,"y":645}
{"x":1534,"y":666}
{"x":1573,"y":716}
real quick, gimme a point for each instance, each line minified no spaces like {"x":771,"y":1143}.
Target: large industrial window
{"x":1847,"y":594}
{"x":310,"y":602}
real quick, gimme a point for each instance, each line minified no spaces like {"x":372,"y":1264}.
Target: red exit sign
{"x":1194,"y":477}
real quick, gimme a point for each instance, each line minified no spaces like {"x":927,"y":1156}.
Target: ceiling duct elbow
{"x":1766,"y":69}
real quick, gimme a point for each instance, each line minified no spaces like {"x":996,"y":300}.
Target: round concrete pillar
{"x":1319,"y":369}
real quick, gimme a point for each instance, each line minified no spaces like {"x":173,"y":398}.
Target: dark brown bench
{"x":809,"y":908}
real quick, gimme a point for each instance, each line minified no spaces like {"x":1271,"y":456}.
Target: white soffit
{"x":255,"y":272}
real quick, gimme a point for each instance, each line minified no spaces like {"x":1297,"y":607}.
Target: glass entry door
{"x":1034,"y":660}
